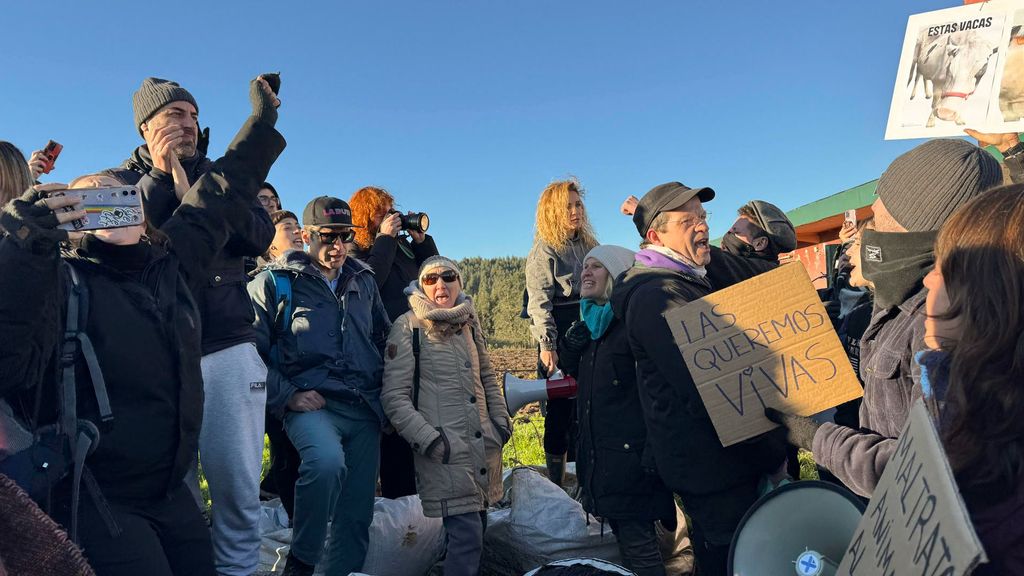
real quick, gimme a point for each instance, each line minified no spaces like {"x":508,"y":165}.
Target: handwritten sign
{"x":916,"y":522}
{"x":766,"y":342}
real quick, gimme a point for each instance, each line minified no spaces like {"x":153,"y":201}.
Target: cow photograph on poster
{"x":960,"y":68}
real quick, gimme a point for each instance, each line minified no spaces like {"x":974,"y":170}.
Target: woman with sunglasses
{"x":553,"y":269}
{"x":445,"y":401}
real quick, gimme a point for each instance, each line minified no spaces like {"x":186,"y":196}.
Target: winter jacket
{"x":613,"y":437}
{"x":552,"y":279}
{"x":717,"y":484}
{"x":892,"y":383}
{"x":395,"y":263}
{"x":460,"y":403}
{"x":223,"y":302}
{"x":334,"y":341}
{"x":142,"y":321}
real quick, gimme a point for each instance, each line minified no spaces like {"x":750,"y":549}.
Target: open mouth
{"x":702,"y":244}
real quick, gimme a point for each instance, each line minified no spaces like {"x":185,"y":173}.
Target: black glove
{"x":264,"y":106}
{"x":31,"y":224}
{"x":574,"y":342}
{"x":800,"y":429}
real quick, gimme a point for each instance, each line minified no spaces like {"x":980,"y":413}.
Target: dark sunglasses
{"x":332,"y":237}
{"x":448,"y":276}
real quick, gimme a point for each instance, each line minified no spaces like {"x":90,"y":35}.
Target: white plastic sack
{"x":541,"y":524}
{"x":403,"y":542}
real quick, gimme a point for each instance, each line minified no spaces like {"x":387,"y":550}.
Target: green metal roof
{"x":855,"y":197}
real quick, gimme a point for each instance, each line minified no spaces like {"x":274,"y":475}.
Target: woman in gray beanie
{"x":441,"y":395}
{"x":614,"y":483}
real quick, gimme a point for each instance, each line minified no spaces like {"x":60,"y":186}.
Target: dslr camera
{"x":417,"y":221}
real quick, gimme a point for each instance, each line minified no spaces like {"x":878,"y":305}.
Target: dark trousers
{"x":638,"y":545}
{"x":465,"y":543}
{"x":397,"y":473}
{"x":714,"y":518}
{"x":560,"y":420}
{"x":165,"y":537}
{"x":284,"y":465}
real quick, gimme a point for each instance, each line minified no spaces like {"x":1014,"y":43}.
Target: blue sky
{"x":467,"y":110}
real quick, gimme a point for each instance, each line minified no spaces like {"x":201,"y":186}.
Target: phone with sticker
{"x":113,"y":207}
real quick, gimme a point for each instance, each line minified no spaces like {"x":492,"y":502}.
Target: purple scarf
{"x":653,"y":259}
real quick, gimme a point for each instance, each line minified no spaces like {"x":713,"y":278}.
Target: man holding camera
{"x":325,"y":347}
{"x":234,"y":377}
{"x":395,"y":260}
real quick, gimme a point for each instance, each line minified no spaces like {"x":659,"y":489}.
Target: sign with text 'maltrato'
{"x":916,"y":522}
{"x":766,"y":342}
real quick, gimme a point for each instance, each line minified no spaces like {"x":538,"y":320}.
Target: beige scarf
{"x":437,"y":320}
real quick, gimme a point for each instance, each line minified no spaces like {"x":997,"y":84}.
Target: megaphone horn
{"x":520,"y":392}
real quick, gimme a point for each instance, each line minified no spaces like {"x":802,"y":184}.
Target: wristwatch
{"x":1013,"y":150}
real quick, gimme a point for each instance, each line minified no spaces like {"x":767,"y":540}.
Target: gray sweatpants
{"x":231,"y":452}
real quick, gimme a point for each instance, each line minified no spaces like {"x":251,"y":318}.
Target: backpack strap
{"x":283,"y":319}
{"x":416,"y":370}
{"x":81,"y":436}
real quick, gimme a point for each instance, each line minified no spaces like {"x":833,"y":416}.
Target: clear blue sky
{"x":468,"y":109}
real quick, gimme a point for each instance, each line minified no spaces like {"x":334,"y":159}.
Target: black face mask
{"x":732,"y":244}
{"x":896,"y":262}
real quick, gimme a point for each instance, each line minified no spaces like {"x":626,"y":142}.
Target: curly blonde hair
{"x":366,"y":203}
{"x":552,"y":215}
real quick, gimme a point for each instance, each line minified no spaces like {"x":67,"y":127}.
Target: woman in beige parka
{"x":455,"y":420}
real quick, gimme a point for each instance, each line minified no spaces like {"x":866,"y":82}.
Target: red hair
{"x":365,"y":204}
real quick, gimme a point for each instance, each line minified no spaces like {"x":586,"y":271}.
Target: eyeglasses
{"x":267,"y":200}
{"x":690,"y":222}
{"x":448,"y":276}
{"x":332,"y":237}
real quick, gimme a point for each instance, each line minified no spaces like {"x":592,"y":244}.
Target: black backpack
{"x":58,"y":450}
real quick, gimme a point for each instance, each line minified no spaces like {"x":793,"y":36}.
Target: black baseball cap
{"x":663,"y":198}
{"x":327,"y":211}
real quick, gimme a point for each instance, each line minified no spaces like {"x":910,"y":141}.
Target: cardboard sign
{"x":916,"y":522}
{"x":960,"y":68}
{"x":764,"y":342}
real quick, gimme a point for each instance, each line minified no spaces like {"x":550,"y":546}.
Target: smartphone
{"x":851,"y":217}
{"x":114,"y":207}
{"x":51,"y":151}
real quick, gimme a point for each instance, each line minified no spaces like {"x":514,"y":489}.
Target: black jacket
{"x":716,"y":484}
{"x":395,"y":263}
{"x":223,"y":301}
{"x":143,"y":323}
{"x":613,"y":437}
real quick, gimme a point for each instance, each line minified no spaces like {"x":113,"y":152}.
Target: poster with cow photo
{"x":960,"y":68}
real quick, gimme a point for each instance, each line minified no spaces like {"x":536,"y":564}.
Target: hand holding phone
{"x":42,"y":161}
{"x":113,"y":207}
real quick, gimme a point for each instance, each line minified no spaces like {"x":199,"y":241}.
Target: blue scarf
{"x":596,"y":316}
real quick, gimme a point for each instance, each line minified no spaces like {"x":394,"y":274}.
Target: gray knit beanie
{"x":615,"y":259}
{"x":154,"y":94}
{"x":925,"y":185}
{"x":438,"y":262}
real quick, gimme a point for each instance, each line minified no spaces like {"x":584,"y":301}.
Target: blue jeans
{"x":340,"y":446}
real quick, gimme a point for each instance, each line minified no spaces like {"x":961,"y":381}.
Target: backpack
{"x":51,"y":452}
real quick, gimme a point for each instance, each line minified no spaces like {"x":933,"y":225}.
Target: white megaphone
{"x":519,"y":392}
{"x":801,"y":528}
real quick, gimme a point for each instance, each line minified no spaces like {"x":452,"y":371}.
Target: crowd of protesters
{"x":135,"y":355}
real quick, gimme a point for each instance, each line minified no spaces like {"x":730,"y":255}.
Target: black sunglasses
{"x":448,"y":276}
{"x":332,"y":237}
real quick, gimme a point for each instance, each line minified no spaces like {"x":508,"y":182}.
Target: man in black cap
{"x":916,"y":194}
{"x":675,"y":266}
{"x":231,"y":441}
{"x":324,"y":347}
{"x":762,"y":231}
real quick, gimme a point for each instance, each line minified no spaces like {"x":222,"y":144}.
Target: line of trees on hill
{"x":496,"y":286}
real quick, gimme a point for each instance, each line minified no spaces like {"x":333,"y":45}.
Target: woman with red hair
{"x":395,"y":259}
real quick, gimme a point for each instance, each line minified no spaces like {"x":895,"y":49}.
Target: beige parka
{"x":460,"y":402}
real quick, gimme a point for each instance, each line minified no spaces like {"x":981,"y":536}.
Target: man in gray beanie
{"x":916,"y":194}
{"x":231,"y":440}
